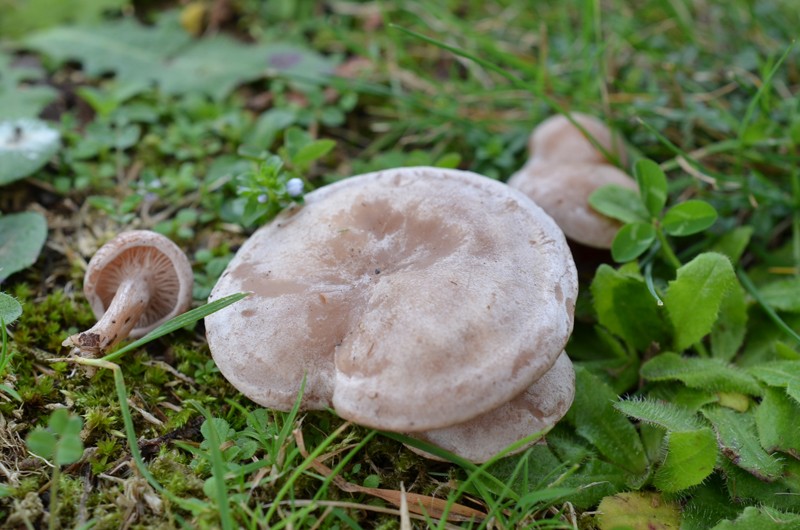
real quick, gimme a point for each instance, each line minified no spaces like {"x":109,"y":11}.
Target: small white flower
{"x":294,"y":187}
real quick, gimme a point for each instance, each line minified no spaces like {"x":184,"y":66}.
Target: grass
{"x":709,"y":89}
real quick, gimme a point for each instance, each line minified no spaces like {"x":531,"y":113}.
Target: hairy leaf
{"x":652,"y":185}
{"x":638,"y":511}
{"x":662,"y":413}
{"x":761,"y":518}
{"x":694,"y":298}
{"x":708,"y":505}
{"x":594,"y":418}
{"x":785,"y":374}
{"x":781,"y":493}
{"x":776,"y":418}
{"x":706,"y":374}
{"x":22,"y":236}
{"x":691,"y":457}
{"x":619,"y":203}
{"x":625,"y":307}
{"x":738,"y":441}
{"x":728,"y":332}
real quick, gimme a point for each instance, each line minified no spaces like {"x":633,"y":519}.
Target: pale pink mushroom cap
{"x":409,"y":299}
{"x":168,"y":275}
{"x":563,"y":190}
{"x":536,"y":410}
{"x":556,"y":139}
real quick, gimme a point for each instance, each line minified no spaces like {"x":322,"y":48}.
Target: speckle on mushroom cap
{"x":410,"y":299}
{"x":563,"y":190}
{"x":537,"y":409}
{"x":171,"y":276}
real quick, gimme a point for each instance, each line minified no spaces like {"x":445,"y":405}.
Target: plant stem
{"x":51,"y":523}
{"x":666,"y":249}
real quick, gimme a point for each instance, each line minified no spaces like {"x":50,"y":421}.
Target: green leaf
{"x":689,"y":218}
{"x":691,"y":457}
{"x":708,"y":505}
{"x":662,"y":413}
{"x":625,"y":307}
{"x":632,"y":240}
{"x":17,"y":98}
{"x":10,"y":309}
{"x":734,"y":243}
{"x":22,"y":236}
{"x":761,"y":518}
{"x":652,"y":185}
{"x":776,"y":419}
{"x":728,"y":332}
{"x":20,"y":18}
{"x":594,"y":418}
{"x":738,"y":441}
{"x":706,"y":374}
{"x":42,"y":443}
{"x":25,"y":146}
{"x":783,"y":295}
{"x":694,"y":298}
{"x":784,"y":374}
{"x":313,"y":151}
{"x":638,"y":511}
{"x":747,"y":488}
{"x":619,"y":203}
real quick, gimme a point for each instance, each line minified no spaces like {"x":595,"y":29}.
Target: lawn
{"x":199,"y":120}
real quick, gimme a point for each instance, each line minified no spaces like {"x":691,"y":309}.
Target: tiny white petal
{"x":294,"y":187}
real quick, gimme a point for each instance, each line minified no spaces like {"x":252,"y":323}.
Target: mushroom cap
{"x":537,"y":409}
{"x":409,"y":299}
{"x":556,"y":139}
{"x":170,"y":276}
{"x":563,"y":190}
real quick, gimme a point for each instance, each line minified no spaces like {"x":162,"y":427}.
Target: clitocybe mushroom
{"x":134,"y":283}
{"x":565,"y":168}
{"x":409,"y":300}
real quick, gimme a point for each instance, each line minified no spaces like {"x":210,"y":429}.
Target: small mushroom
{"x":536,"y":410}
{"x":409,"y":300}
{"x":564,"y":170}
{"x":134,"y":283}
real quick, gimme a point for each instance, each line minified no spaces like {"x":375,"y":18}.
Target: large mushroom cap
{"x":168,"y":274}
{"x":536,"y":410}
{"x":409,"y":299}
{"x":563,"y":190}
{"x":556,"y":139}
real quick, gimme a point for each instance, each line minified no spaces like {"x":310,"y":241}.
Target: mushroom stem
{"x":122,"y":315}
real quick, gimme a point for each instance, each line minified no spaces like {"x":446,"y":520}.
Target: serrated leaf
{"x":738,"y":441}
{"x":783,"y":295}
{"x":594,"y":418}
{"x":728,"y":332}
{"x":22,"y":236}
{"x":625,"y":307}
{"x":638,"y":511}
{"x":619,"y":203}
{"x":631,"y":241}
{"x":695,"y":372}
{"x":25,"y":146}
{"x":694,"y":298}
{"x":689,"y":218}
{"x":691,"y":457}
{"x":776,"y":419}
{"x":784,"y":374}
{"x":662,"y":413}
{"x":10,"y":309}
{"x":652,"y":185}
{"x":761,"y":518}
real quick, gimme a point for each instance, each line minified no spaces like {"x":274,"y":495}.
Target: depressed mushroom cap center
{"x":409,"y":299}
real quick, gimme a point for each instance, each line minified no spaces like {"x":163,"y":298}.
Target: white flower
{"x":294,"y":187}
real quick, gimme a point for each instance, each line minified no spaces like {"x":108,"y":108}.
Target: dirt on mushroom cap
{"x":409,"y":299}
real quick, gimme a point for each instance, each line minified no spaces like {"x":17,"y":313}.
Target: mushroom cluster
{"x":564,"y":168}
{"x":134,"y":283}
{"x":419,"y":300}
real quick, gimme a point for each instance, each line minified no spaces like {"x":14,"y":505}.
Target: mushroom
{"x":564,"y":170}
{"x":408,"y":300}
{"x":535,"y":411}
{"x":134,"y":283}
